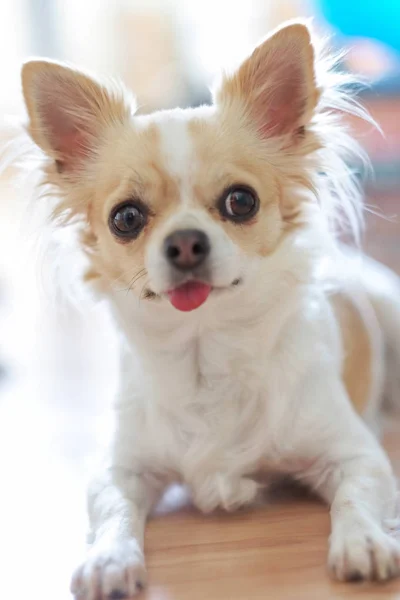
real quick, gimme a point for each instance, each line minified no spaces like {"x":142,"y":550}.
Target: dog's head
{"x":181,"y":205}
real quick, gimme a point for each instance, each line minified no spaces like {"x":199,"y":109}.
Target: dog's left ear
{"x":70,"y":112}
{"x":275,"y":86}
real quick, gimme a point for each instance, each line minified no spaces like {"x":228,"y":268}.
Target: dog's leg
{"x":119,"y":504}
{"x":346,"y":465}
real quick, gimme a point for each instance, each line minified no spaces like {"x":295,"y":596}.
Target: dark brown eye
{"x":127,"y":220}
{"x":240,"y":204}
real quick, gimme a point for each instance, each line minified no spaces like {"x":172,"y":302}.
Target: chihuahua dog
{"x":253,"y":345}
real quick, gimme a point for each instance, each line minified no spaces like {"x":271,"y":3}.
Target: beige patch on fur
{"x":135,"y":175}
{"x":357,"y":366}
{"x":228,"y":155}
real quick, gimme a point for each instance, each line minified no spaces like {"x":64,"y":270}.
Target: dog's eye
{"x":127,"y":220}
{"x":239,"y":204}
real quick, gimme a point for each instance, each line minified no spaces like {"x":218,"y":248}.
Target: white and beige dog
{"x":252,"y":344}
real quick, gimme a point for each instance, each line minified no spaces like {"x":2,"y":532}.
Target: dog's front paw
{"x":110,"y":572}
{"x":364,"y":553}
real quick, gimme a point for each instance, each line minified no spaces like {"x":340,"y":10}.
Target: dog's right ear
{"x":69,"y":112}
{"x":275,"y":86}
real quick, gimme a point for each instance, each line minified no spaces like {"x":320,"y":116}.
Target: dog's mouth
{"x":192,"y":294}
{"x":189,"y":296}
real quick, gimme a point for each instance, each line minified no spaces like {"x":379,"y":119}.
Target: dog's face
{"x":198,"y":208}
{"x":180,"y":205}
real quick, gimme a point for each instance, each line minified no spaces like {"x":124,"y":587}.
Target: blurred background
{"x":57,"y":361}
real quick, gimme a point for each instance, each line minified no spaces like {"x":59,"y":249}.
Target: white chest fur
{"x":195,"y":404}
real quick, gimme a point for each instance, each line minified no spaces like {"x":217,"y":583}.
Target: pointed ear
{"x":276,"y":84}
{"x":69,"y":111}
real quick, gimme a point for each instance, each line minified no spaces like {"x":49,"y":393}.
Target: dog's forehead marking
{"x":177,"y":153}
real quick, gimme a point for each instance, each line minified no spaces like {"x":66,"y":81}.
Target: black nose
{"x":187,"y":248}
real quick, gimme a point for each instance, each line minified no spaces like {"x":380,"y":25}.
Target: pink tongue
{"x":189,"y":296}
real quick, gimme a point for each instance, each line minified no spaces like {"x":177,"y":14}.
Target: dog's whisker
{"x":136,"y":277}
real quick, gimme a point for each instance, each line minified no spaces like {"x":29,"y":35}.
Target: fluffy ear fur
{"x":68,"y":112}
{"x":276,"y":84}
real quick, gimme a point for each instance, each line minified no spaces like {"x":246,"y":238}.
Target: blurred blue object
{"x":365,"y":18}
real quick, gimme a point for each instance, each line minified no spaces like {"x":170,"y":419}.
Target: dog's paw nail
{"x":355,"y":577}
{"x":117,"y":595}
{"x":140,"y":586}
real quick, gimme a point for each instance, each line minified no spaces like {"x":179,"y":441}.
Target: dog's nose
{"x":187,"y":248}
